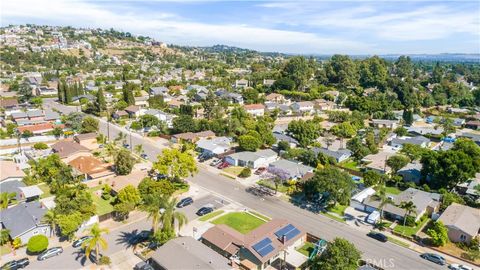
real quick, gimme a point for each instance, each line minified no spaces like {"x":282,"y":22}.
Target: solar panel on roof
{"x":291,"y":234}
{"x":260,"y":245}
{"x":264,"y":251}
{"x":284,"y":231}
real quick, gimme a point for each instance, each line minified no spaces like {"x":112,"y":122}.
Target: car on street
{"x":140,"y":237}
{"x":126,"y":145}
{"x":144,"y":156}
{"x":80,"y":241}
{"x":51,"y":252}
{"x":204,"y":210}
{"x":16,"y":264}
{"x":260,"y":170}
{"x":378,"y":236}
{"x":143,"y":266}
{"x":215,"y":162}
{"x":223,"y":165}
{"x":184,"y":202}
{"x":455,"y":266}
{"x":434,"y":258}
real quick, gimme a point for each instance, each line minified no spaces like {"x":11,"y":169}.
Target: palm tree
{"x":152,"y":206}
{"x":169,"y":215}
{"x":4,"y":236}
{"x":5,"y":199}
{"x":96,"y":241}
{"x":138,"y":149}
{"x":110,"y":150}
{"x":409,"y":209}
{"x":51,"y":219}
{"x":121,"y":138}
{"x":384,"y":200}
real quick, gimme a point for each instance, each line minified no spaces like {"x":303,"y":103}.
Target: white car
{"x":455,"y":266}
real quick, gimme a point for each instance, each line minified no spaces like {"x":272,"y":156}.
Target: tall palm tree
{"x":152,"y":205}
{"x":384,"y":200}
{"x":110,"y":150}
{"x":138,"y":149}
{"x":5,"y":199}
{"x":409,"y":209}
{"x":96,"y":242}
{"x":51,"y":219}
{"x":169,"y":215}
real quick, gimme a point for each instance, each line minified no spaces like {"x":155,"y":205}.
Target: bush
{"x":246,"y":172}
{"x":105,"y":260}
{"x":40,"y":146}
{"x":106,"y":192}
{"x":37,"y":243}
{"x":410,"y":221}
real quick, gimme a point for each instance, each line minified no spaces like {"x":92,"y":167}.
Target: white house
{"x":241,"y":83}
{"x":290,"y":169}
{"x":255,"y":109}
{"x":254,"y":160}
{"x":214,"y":146}
{"x":303,"y":107}
{"x":46,"y":91}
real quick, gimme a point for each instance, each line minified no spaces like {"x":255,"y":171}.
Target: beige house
{"x":10,"y":171}
{"x":463,"y":222}
{"x":275,"y":97}
{"x":91,"y":167}
{"x":88,"y":140}
{"x":69,"y":150}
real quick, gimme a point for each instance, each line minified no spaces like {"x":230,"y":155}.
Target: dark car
{"x":140,"y":237}
{"x":16,"y":264}
{"x":143,"y":266}
{"x":80,"y":241}
{"x":51,"y":252}
{"x":379,"y":236}
{"x":434,"y":258}
{"x":184,"y":202}
{"x":126,"y":145}
{"x":144,"y":156}
{"x":204,"y":210}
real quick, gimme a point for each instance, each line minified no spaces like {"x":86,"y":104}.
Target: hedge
{"x":37,"y":243}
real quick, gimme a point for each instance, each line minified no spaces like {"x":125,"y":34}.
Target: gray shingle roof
{"x":22,"y":217}
{"x":335,"y":154}
{"x":12,"y":187}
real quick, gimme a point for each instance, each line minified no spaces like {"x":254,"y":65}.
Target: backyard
{"x":243,"y":222}
{"x":392,"y":190}
{"x":306,"y":249}
{"x":350,"y":164}
{"x":102,"y":206}
{"x":46,"y":190}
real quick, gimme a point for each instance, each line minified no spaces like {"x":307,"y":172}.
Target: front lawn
{"x":102,"y":206}
{"x":410,"y":231}
{"x":211,"y":215}
{"x":306,"y":249}
{"x":233,"y":170}
{"x":451,"y":248}
{"x":269,"y":184}
{"x":241,"y":221}
{"x":338,"y":209}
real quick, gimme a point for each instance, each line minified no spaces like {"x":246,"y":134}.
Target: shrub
{"x":410,"y":221}
{"x":106,"y":192}
{"x":40,"y":146}
{"x":37,"y":243}
{"x":105,"y":260}
{"x":246,"y":172}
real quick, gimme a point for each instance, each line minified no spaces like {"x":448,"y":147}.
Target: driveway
{"x":190,"y":211}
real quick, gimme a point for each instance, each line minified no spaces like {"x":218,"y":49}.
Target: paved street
{"x":386,"y":255}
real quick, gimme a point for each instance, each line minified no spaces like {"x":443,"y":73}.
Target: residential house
{"x":425,"y":131}
{"x":419,"y":140}
{"x":255,"y":109}
{"x":29,"y":193}
{"x":303,"y":107}
{"x":52,"y":116}
{"x":89,"y":140}
{"x":289,"y":169}
{"x":260,"y":248}
{"x":162,"y":116}
{"x":332,"y":93}
{"x":9,"y":171}
{"x":158,"y":91}
{"x":425,"y":202}
{"x":142,"y":101}
{"x":90,"y":167}
{"x":276,"y":98}
{"x":411,"y":172}
{"x":133,"y":111}
{"x":117,"y":183}
{"x":472,"y":136}
{"x":187,"y":253}
{"x":39,"y":129}
{"x":458,"y":122}
{"x":377,"y":162}
{"x":119,"y":114}
{"x":474,"y":124}
{"x":324,"y":105}
{"x":14,"y":186}
{"x":193,"y":137}
{"x":383,"y":123}
{"x":462,"y":222}
{"x":68,"y":150}
{"x":25,"y":220}
{"x":286,"y":138}
{"x":242,"y":83}
{"x":234,"y":98}
{"x":268,"y":83}
{"x":254,"y":160}
{"x":8,"y":104}
{"x":339,"y":155}
{"x":214,"y":147}
{"x":357,"y":200}
{"x":46,"y":91}
{"x":470,"y":187}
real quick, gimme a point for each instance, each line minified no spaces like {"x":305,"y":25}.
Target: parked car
{"x":144,"y":156}
{"x":140,"y":237}
{"x":223,"y":165}
{"x":143,"y":266}
{"x":434,"y":258}
{"x":126,"y":145}
{"x":16,"y":264}
{"x":204,"y":210}
{"x":378,"y":236}
{"x":455,"y":266}
{"x":184,"y":202}
{"x":215,"y":162}
{"x":51,"y":252}
{"x":260,"y":170}
{"x":80,"y":241}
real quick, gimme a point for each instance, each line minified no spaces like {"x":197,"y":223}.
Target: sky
{"x":311,"y":27}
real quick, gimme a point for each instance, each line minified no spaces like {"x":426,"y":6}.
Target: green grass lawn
{"x":181,"y":188}
{"x":269,"y":184}
{"x":46,"y":190}
{"x":338,"y":209}
{"x":398,"y":242}
{"x":393,"y":190}
{"x":102,"y":206}
{"x":233,"y":170}
{"x":339,"y":219}
{"x":350,"y":164}
{"x":211,"y":215}
{"x":240,"y":221}
{"x":410,"y":231}
{"x":306,"y":249}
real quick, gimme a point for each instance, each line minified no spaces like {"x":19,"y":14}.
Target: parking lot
{"x":198,"y":203}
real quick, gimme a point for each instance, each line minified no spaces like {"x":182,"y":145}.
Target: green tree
{"x":127,"y":92}
{"x":339,"y":254}
{"x":305,"y":132}
{"x":161,"y":188}
{"x":249,"y":142}
{"x":409,"y":208}
{"x":175,"y":164}
{"x":438,"y":233}
{"x":6,"y":198}
{"x":339,"y":190}
{"x":4,"y":236}
{"x":152,"y":204}
{"x":101,"y":104}
{"x":124,"y":162}
{"x":297,"y":70}
{"x":342,"y":71}
{"x":96,"y":242}
{"x":69,"y":224}
{"x":24,"y":92}
{"x":401,"y":131}
{"x":37,"y":243}
{"x":371,"y":178}
{"x":246,"y":172}
{"x":126,"y":201}
{"x":51,"y":218}
{"x":448,"y":198}
{"x":89,"y":124}
{"x":344,"y":130}
{"x":40,"y":146}
{"x":27,"y":134}
{"x":397,"y":162}
{"x":359,"y":151}
{"x":170,"y":216}
{"x":184,"y":123}
{"x":408,"y":117}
